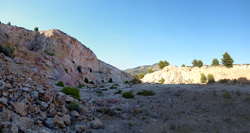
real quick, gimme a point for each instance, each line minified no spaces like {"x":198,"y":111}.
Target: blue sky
{"x":130,"y":33}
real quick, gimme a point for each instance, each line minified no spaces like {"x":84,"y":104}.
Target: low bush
{"x":49,"y":53}
{"x":60,"y":83}
{"x":227,"y":95}
{"x":146,"y":93}
{"x":210,"y":78}
{"x":237,"y":93}
{"x":162,"y":81}
{"x":80,"y":86}
{"x":118,"y":92}
{"x":113,"y":87}
{"x":74,"y":106}
{"x":235,"y":81}
{"x":98,"y":91}
{"x":223,"y":81}
{"x":91,"y":82}
{"x":203,"y":78}
{"x":128,"y":94}
{"x":126,"y":82}
{"x":73,"y":92}
{"x":90,"y":70}
{"x":102,"y":81}
{"x":36,"y":29}
{"x":79,"y":68}
{"x":7,"y":51}
{"x":66,"y":70}
{"x":110,"y":80}
{"x":86,"y":80}
{"x":135,"y":81}
{"x":104,"y":89}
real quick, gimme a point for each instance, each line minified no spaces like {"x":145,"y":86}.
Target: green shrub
{"x":113,"y":87}
{"x":104,"y":89}
{"x":199,"y":63}
{"x":86,"y":80}
{"x":128,"y":94}
{"x":8,"y":23}
{"x":247,"y":98}
{"x":237,"y":93}
{"x":227,"y":61}
{"x":7,"y":51}
{"x":90,"y":70}
{"x":223,"y":81}
{"x":102,"y":81}
{"x":118,"y":109}
{"x":74,"y":106}
{"x":73,"y":92}
{"x":36,"y":29}
{"x":126,"y":82}
{"x":235,"y":81}
{"x":183,"y":65}
{"x":195,"y":63}
{"x":162,"y":81}
{"x":60,"y":83}
{"x":91,"y":82}
{"x":215,"y":62}
{"x":49,"y":53}
{"x":110,"y":80}
{"x":140,"y":75}
{"x":135,"y":81}
{"x":80,"y":86}
{"x":79,"y":68}
{"x":118,"y":92}
{"x":102,"y":86}
{"x":146,"y":93}
{"x":210,"y":78}
{"x":163,"y":64}
{"x":227,"y":95}
{"x":98,"y":91}
{"x":150,"y":70}
{"x":203,"y":78}
{"x":66,"y":70}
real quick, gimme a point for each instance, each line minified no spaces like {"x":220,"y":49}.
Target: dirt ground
{"x":174,"y":108}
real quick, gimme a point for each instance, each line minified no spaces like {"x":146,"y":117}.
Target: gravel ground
{"x":174,"y":108}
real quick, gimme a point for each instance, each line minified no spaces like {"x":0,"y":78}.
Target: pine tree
{"x":227,"y":61}
{"x":150,"y":70}
{"x":215,"y":62}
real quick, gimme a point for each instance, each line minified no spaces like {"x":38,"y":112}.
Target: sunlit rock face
{"x":189,"y":75}
{"x":55,"y":55}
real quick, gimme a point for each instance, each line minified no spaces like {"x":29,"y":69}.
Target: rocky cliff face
{"x":188,"y":75}
{"x":55,"y":55}
{"x":142,"y":69}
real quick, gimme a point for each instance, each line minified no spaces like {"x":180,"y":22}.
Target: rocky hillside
{"x":189,"y":75}
{"x":142,"y":69}
{"x":56,"y":56}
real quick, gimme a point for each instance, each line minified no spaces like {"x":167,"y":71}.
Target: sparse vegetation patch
{"x":74,"y":92}
{"x":128,"y":94}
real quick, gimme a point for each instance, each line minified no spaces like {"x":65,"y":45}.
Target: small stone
{"x":4,"y":101}
{"x":25,"y":89}
{"x":66,"y":119}
{"x":20,"y":108}
{"x":43,"y":105}
{"x":74,"y":113}
{"x":52,"y":111}
{"x":34,"y":94}
{"x":23,"y":123}
{"x":49,"y":123}
{"x":80,"y":128}
{"x":64,"y":109}
{"x":59,"y":122}
{"x":96,"y":124}
{"x":59,"y":113}
{"x":8,"y":86}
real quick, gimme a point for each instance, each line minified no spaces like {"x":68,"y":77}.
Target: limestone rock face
{"x":188,"y":75}
{"x":55,"y":55}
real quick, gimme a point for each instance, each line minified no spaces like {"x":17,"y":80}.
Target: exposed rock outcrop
{"x":188,"y":75}
{"x":57,"y":56}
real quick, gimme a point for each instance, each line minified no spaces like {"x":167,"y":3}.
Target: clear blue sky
{"x":130,"y":33}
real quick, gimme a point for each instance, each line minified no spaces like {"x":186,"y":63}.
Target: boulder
{"x":5,"y":115}
{"x":20,"y":108}
{"x":59,"y":121}
{"x":96,"y":124}
{"x":66,"y":119}
{"x":23,"y":123}
{"x":8,"y":127}
{"x":74,"y":113}
{"x":49,"y":122}
{"x":80,"y":128}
